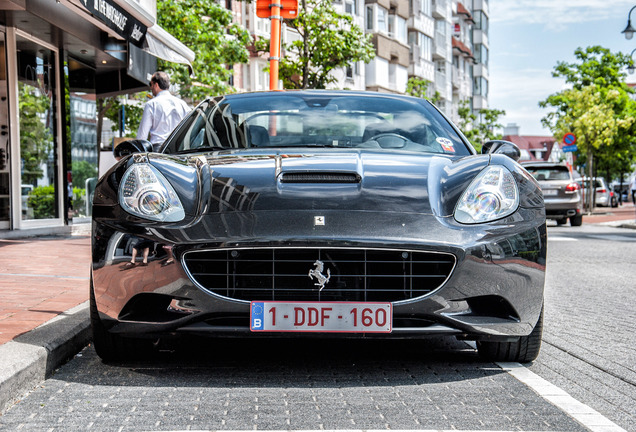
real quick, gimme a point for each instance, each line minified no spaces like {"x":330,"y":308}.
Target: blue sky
{"x":528,"y":37}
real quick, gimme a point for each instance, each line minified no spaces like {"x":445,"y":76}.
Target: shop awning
{"x":163,"y":45}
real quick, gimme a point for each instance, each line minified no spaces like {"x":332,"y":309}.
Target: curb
{"x":32,"y":357}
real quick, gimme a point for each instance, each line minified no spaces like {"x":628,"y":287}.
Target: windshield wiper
{"x":203,"y":148}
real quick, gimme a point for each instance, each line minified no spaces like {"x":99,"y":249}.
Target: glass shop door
{"x":5,"y":176}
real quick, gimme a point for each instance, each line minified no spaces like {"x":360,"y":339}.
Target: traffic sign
{"x":569,"y":139}
{"x":570,"y":148}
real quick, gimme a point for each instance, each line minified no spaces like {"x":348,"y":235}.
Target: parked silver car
{"x":604,"y":196}
{"x":561,"y":193}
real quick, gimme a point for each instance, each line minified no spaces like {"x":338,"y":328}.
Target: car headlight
{"x":492,"y":195}
{"x":146,"y":193}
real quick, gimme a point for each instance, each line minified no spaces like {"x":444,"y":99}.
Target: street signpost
{"x":569,"y":139}
{"x":570,"y":148}
{"x":276,"y":11}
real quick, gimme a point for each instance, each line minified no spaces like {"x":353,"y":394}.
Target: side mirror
{"x":131,"y":146}
{"x":502,"y":147}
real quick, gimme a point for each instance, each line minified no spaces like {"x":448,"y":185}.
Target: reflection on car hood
{"x":338,"y":179}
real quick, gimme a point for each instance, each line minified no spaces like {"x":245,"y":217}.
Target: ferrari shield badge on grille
{"x":321,"y":279}
{"x":319,"y":220}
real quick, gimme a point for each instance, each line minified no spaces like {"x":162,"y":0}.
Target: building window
{"x":440,"y":28}
{"x":481,"y":54}
{"x":425,"y":46}
{"x":425,"y":6}
{"x":352,"y":71}
{"x":382,"y":20}
{"x":397,"y":28}
{"x":350,"y":7}
{"x":481,"y":21}
{"x":377,"y":19}
{"x":370,"y":18}
{"x":481,"y":87}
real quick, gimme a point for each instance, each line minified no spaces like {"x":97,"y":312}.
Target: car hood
{"x":329,"y":179}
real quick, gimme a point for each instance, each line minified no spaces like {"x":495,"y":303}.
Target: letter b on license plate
{"x":338,"y":317}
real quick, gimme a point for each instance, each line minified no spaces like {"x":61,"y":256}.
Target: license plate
{"x":550,"y":192}
{"x":334,"y":317}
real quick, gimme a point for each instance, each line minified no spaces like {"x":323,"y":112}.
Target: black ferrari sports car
{"x":318,"y":213}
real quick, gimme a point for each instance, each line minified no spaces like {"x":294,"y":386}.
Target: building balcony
{"x":480,"y":70}
{"x":461,"y":82}
{"x":481,"y":5}
{"x":480,"y":37}
{"x":440,"y":9}
{"x":422,"y":23}
{"x":440,"y":49}
{"x":440,"y":83}
{"x":422,"y":69}
{"x":479,"y":102}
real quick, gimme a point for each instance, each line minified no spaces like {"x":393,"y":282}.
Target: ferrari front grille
{"x":319,"y":274}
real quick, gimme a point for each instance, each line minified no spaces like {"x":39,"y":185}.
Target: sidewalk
{"x":622,"y":216}
{"x":44,"y":309}
{"x":44,"y":318}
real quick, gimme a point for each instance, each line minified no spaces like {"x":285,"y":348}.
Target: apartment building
{"x":444,"y":42}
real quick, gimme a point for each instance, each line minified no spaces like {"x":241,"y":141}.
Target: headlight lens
{"x":146,"y":193}
{"x":492,"y":195}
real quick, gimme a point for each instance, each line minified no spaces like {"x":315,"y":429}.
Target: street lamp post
{"x":631,"y":68}
{"x":629,"y":30}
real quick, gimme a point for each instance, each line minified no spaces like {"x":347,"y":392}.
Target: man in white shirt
{"x":162,"y":113}
{"x":633,"y":189}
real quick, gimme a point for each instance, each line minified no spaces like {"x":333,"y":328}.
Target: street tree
{"x":328,"y":40}
{"x":218,"y":42}
{"x":598,"y":74}
{"x":418,"y":87}
{"x":479,"y":129}
{"x":594,"y":115}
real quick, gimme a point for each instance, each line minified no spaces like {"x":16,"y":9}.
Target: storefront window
{"x":83,"y":160}
{"x":5,"y":183}
{"x":37,"y":117}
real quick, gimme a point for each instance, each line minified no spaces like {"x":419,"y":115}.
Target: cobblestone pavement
{"x":590,"y":318}
{"x":246,"y":385}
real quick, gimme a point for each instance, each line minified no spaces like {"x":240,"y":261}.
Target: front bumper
{"x":494,"y":291}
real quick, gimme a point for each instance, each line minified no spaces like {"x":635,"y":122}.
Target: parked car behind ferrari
{"x":562,"y":194}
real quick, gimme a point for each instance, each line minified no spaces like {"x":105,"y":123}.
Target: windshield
{"x":311,"y":119}
{"x":549,"y":173}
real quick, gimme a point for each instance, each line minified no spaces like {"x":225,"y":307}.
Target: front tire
{"x":111,"y":346}
{"x":525,"y":349}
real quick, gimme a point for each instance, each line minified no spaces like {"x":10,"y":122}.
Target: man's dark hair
{"x":162,"y":79}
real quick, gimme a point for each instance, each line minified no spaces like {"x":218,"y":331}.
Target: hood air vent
{"x":319,"y":177}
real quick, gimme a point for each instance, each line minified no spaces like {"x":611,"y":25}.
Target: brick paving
{"x":40,"y":278}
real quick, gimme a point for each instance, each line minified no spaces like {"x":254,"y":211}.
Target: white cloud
{"x":554,"y":14}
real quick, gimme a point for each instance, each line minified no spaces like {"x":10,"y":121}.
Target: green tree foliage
{"x":42,"y":201}
{"x":328,"y":40}
{"x":418,"y":87}
{"x":112,"y":108}
{"x":597,"y":109}
{"x":478,"y":132}
{"x":36,"y":139}
{"x":597,"y":117}
{"x":82,"y":170}
{"x":206,"y":28}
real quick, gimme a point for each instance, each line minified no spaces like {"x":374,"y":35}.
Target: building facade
{"x":444,"y":42}
{"x":56,"y":59}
